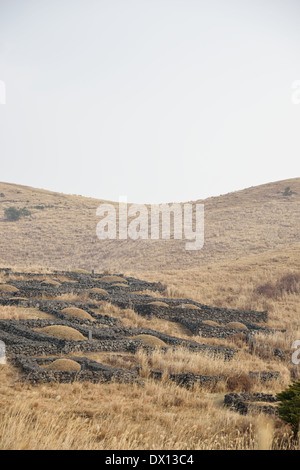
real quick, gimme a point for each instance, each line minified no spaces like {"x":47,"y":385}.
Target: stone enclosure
{"x":33,"y":351}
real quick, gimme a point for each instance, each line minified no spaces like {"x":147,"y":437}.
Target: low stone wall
{"x":264,"y":350}
{"x":19,"y":338}
{"x":19,"y":335}
{"x":55,"y":307}
{"x":91,"y":371}
{"x":244,"y":403}
{"x":33,"y":288}
{"x":221,"y":332}
{"x":265,"y":376}
{"x":220,"y":315}
{"x":226,"y":353}
{"x":189,"y":380}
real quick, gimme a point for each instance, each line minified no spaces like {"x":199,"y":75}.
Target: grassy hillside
{"x":61,"y":231}
{"x":250,"y":260}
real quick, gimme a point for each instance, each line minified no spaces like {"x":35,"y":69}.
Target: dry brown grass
{"x":252,"y":221}
{"x":21,"y":313}
{"x":157,"y":416}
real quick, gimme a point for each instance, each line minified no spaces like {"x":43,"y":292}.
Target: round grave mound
{"x":74,"y":312}
{"x":8,"y":289}
{"x":66,"y":365}
{"x":210,"y":323}
{"x":236,"y":325}
{"x":62,"y":332}
{"x":191,"y":306}
{"x":149,"y":340}
{"x":97,"y":290}
{"x":158,"y":303}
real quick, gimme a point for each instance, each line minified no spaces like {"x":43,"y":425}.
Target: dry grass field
{"x":250,"y":260}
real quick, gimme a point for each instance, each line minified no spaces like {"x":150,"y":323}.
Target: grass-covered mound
{"x":74,"y":312}
{"x":62,"y":332}
{"x":149,"y":340}
{"x":236,"y":325}
{"x":210,"y":323}
{"x":191,"y":306}
{"x":158,"y":303}
{"x":8,"y":289}
{"x":97,"y":290}
{"x":66,"y":365}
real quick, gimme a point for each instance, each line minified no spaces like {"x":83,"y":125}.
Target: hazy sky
{"x":159,"y":100}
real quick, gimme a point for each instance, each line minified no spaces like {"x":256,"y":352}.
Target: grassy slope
{"x":63,"y":234}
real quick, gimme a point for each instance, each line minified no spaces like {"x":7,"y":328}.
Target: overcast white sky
{"x":159,"y":100}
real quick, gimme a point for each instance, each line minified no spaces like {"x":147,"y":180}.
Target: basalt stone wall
{"x":210,"y":331}
{"x":18,"y":345}
{"x":265,"y":376}
{"x":20,"y":339}
{"x":189,"y":380}
{"x":91,"y":371}
{"x":228,"y":353}
{"x":244,"y":403}
{"x":55,"y":307}
{"x":221,"y":315}
{"x":83,"y":282}
{"x":20,"y":336}
{"x":264,"y":350}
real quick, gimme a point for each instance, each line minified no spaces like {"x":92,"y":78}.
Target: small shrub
{"x":287,"y":191}
{"x":289,"y":406}
{"x":2,"y":195}
{"x":13,"y":214}
{"x":267,"y":290}
{"x":239,"y":383}
{"x":289,"y":283}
